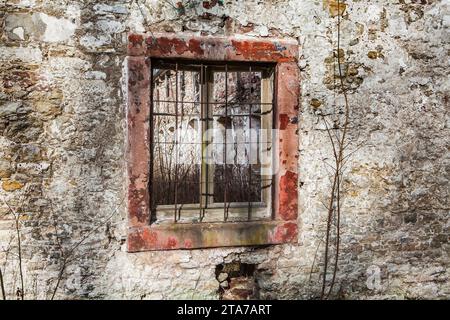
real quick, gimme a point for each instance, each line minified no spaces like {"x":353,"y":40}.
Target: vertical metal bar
{"x":202,"y":121}
{"x":225,"y":165}
{"x":182,"y":115}
{"x":249,"y":213}
{"x":169,"y":167}
{"x":152,"y":144}
{"x":274,"y":139}
{"x":176,"y":141}
{"x":207,"y":182}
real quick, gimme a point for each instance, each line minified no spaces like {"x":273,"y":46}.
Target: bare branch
{"x":21,"y":291}
{"x":68,"y":257}
{"x":2,"y":285}
{"x":335,"y":201}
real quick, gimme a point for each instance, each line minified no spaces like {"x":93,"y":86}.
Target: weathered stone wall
{"x":62,"y":163}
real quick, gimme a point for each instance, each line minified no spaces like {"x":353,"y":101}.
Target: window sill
{"x":211,"y":235}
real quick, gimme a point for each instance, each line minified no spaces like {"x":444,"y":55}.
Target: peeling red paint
{"x":172,"y":242}
{"x":219,"y":48}
{"x":201,"y":235}
{"x":187,"y":243}
{"x":149,"y":237}
{"x":139,"y":239}
{"x":288,"y":196}
{"x":167,"y":45}
{"x":288,"y":86}
{"x":286,"y":233}
{"x":135,"y":242}
{"x":138,"y":149}
{"x":195,"y":46}
{"x":284,"y":121}
{"x":176,"y":44}
{"x":256,"y":50}
{"x":135,"y":39}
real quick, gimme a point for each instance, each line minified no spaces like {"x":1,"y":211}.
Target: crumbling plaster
{"x":62,"y":167}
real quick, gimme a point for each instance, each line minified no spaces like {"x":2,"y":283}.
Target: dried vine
{"x":2,"y":285}
{"x":338,"y":143}
{"x":20,"y":291}
{"x":69,"y":255}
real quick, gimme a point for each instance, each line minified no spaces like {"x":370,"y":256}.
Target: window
{"x":210,"y":152}
{"x":212,"y":142}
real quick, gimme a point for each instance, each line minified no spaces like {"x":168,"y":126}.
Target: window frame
{"x":144,"y":235}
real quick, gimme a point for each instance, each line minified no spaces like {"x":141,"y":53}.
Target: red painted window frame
{"x":142,"y":235}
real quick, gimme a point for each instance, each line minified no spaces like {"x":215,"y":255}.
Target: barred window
{"x":212,"y":142}
{"x":211,"y":153}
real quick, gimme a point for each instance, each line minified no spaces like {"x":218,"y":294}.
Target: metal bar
{"x":186,"y":65}
{"x":212,"y":143}
{"x":176,"y":142}
{"x":274,"y":139}
{"x":169,"y":114}
{"x":182,"y":114}
{"x":152,"y":156}
{"x":212,"y":102}
{"x":249,"y":215}
{"x":202,"y":165}
{"x":225,"y":165}
{"x":207,"y":128}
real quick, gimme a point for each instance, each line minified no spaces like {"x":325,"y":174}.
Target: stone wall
{"x":62,"y":166}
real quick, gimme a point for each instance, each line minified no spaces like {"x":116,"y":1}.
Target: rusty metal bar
{"x":213,"y":102}
{"x":207,"y":182}
{"x":170,"y":114}
{"x":202,"y":82}
{"x":225,"y":165}
{"x":274,"y":139}
{"x":152,"y":157}
{"x":249,"y":214}
{"x":182,"y":115}
{"x":176,"y":143}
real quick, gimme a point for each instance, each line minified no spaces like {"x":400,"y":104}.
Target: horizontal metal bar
{"x":216,"y":143}
{"x":168,"y":114}
{"x":213,"y":205}
{"x":236,"y":66}
{"x":219,"y":102}
{"x":259,"y":180}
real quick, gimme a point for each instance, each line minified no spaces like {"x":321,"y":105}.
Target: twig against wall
{"x":337,"y":136}
{"x":20,"y":291}
{"x":2,"y":285}
{"x":69,"y":255}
